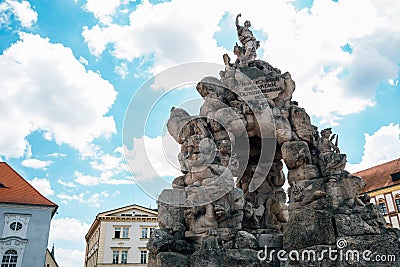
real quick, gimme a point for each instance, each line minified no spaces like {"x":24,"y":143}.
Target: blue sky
{"x":69,"y":69}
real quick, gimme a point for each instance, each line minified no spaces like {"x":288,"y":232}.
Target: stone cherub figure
{"x":329,"y":153}
{"x":247,"y":39}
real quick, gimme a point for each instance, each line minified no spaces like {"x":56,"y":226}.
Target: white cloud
{"x":67,"y":184}
{"x":91,"y":199}
{"x":44,"y":87}
{"x":103,"y":9}
{"x":168,"y":30}
{"x":70,"y":257}
{"x":42,"y":185}
{"x":95,"y":39}
{"x":56,"y":155}
{"x":331,"y":83}
{"x":380,"y":147}
{"x":68,"y":229}
{"x":83,"y":60}
{"x":36,"y":163}
{"x":21,"y":10}
{"x":96,"y":198}
{"x":110,"y":168}
{"x":103,"y":178}
{"x":66,"y":197}
{"x":153,"y":157}
{"x":122,"y":70}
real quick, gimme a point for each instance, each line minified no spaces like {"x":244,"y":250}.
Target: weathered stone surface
{"x":283,"y":129}
{"x":210,"y":106}
{"x":295,"y":154}
{"x":244,"y":239}
{"x":183,"y":247}
{"x":314,"y":256}
{"x":353,"y":225}
{"x":343,"y":189}
{"x":244,"y":257}
{"x":208,"y":85}
{"x":274,"y":240}
{"x":229,"y":210}
{"x":308,"y":227}
{"x":301,"y":123}
{"x":310,"y":194}
{"x":170,"y":210}
{"x":231,"y":121}
{"x":160,"y":241}
{"x":178,"y":118}
{"x":248,"y":112}
{"x":167,"y":259}
{"x":206,"y":258}
{"x":285,"y":97}
{"x":214,"y":88}
{"x":386,"y":244}
{"x":351,"y":186}
{"x":304,"y":172}
{"x":269,"y":70}
{"x":229,"y":258}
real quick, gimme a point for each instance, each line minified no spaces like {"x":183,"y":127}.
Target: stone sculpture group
{"x":229,"y":202}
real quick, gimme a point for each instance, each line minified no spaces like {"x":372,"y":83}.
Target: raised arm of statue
{"x":237,"y":20}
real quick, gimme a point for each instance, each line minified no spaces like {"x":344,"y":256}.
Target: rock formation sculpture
{"x":229,"y":202}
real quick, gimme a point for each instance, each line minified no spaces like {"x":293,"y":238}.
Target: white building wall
{"x":390,"y":204}
{"x":133,"y":244}
{"x":395,"y":221}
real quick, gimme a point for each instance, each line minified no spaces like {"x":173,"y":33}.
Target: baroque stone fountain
{"x":229,"y":207}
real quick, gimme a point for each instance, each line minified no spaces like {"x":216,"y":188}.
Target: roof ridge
{"x":379,"y":176}
{"x":51,"y":203}
{"x":128,"y":206}
{"x":376,"y":166}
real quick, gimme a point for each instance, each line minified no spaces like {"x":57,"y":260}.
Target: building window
{"x":16,"y":226}
{"x":395,"y":176}
{"x":143,"y":256}
{"x":398,"y":203}
{"x":144,"y":232}
{"x":125,"y":232}
{"x":121,"y":232}
{"x":124,"y":256}
{"x":117,"y":232}
{"x":382,"y":207}
{"x":9,"y":259}
{"x":115,"y":257}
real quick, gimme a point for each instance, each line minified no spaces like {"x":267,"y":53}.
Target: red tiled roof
{"x":379,"y":176}
{"x":15,"y":189}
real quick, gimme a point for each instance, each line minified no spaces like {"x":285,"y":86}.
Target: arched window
{"x":382,"y":206}
{"x":9,"y":259}
{"x":397,"y":200}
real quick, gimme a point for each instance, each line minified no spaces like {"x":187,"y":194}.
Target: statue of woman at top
{"x":247,"y":39}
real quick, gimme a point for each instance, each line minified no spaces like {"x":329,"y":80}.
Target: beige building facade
{"x":50,"y":259}
{"x":119,"y":237}
{"x":383,"y":186}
